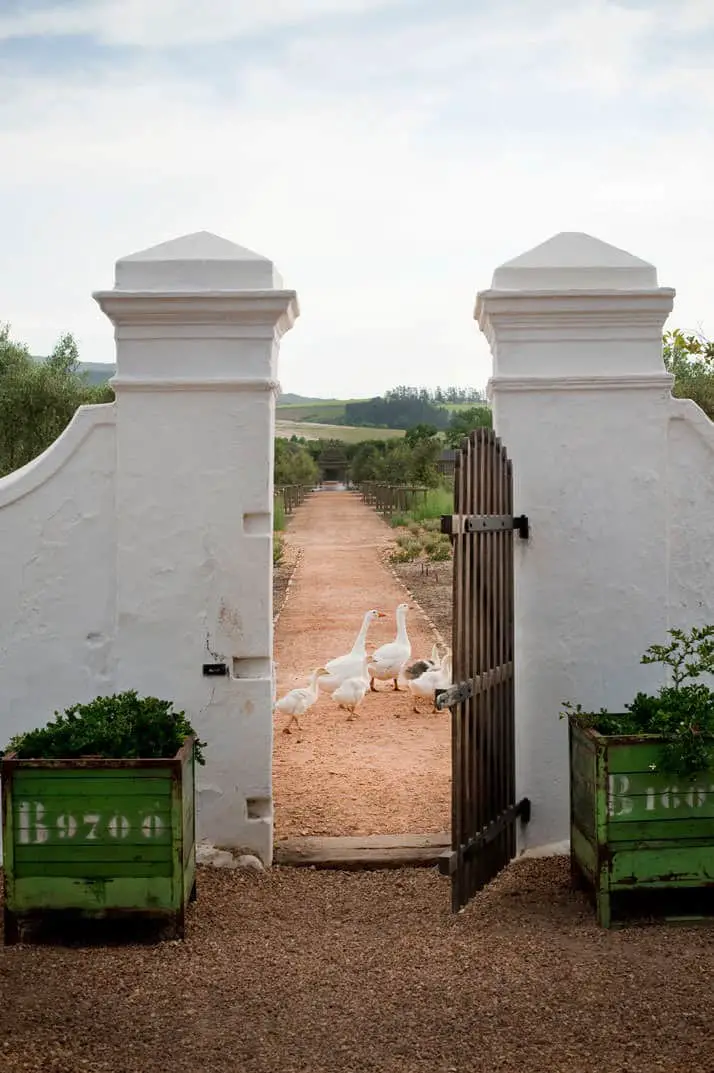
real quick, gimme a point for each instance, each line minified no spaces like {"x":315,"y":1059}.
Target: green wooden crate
{"x":91,"y":838}
{"x":636,"y":832}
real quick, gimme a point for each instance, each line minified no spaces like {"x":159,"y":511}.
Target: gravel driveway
{"x":321,"y":972}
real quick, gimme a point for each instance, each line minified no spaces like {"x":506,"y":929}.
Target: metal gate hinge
{"x":458,"y":524}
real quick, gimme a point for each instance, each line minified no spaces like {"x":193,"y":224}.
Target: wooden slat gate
{"x":484,"y":805}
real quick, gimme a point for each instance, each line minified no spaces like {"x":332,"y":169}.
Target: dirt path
{"x":295,"y":971}
{"x":388,"y":772}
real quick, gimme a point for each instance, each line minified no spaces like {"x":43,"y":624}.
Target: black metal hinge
{"x":450,"y":859}
{"x":456,"y":524}
{"x":449,"y":698}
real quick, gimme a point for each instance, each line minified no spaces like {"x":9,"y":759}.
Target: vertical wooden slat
{"x":466,"y":668}
{"x":509,"y":616}
{"x":457,"y":803}
{"x":499,"y":742}
{"x":483,"y":731}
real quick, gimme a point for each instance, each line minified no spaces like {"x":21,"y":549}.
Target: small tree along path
{"x":389,"y":771}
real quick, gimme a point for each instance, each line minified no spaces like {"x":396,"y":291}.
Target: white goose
{"x":350,"y":693}
{"x":350,"y":665}
{"x":297,"y":701}
{"x":389,"y":660}
{"x":426,"y":684}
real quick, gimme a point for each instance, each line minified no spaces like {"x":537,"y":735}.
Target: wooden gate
{"x":484,"y":806}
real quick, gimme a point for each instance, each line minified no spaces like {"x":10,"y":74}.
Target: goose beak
{"x":381,"y":614}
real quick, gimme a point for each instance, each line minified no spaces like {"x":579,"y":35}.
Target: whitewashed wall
{"x":617,"y":478}
{"x":57,"y":577}
{"x":138,"y":547}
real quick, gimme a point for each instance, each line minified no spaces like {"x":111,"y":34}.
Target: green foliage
{"x":464,"y":421}
{"x":682,"y":712}
{"x":415,"y":435}
{"x":690,"y":358}
{"x":278,"y":549}
{"x":400,"y":408}
{"x":407,"y":551}
{"x":38,"y":399}
{"x":124,"y":726}
{"x":438,"y":549}
{"x":278,"y":514}
{"x":438,"y":501}
{"x":399,"y":520}
{"x":294,"y":464}
{"x":405,"y":461}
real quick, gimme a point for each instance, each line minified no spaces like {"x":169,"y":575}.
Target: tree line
{"x":406,"y":407}
{"x":38,"y":398}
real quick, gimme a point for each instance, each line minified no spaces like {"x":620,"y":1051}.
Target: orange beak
{"x":381,"y":614}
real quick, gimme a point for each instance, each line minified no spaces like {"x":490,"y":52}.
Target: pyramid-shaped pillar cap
{"x":193,"y":263}
{"x":574,"y":261}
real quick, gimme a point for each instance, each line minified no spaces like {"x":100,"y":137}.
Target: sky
{"x":387,"y":155}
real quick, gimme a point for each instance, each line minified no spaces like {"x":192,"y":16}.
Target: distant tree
{"x":39,"y":398}
{"x":420,"y":432}
{"x":366,"y":463}
{"x":690,"y":358}
{"x":464,"y":421}
{"x":294,"y":464}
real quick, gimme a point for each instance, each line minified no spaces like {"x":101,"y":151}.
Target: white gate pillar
{"x":580,"y":399}
{"x":197,"y":325}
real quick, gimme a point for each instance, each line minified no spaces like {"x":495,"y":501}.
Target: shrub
{"x":682,"y":712}
{"x":407,"y":552}
{"x":432,"y":525}
{"x":439,"y":551}
{"x":278,"y":549}
{"x":399,"y":520}
{"x":122,"y":727}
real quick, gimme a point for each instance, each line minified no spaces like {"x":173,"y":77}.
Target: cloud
{"x":170,"y":23}
{"x":386,"y":171}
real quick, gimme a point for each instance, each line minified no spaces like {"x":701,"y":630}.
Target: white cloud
{"x":168,"y":23}
{"x":387,"y":175}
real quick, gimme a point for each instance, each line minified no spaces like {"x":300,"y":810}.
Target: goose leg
{"x":372,"y":685}
{"x":396,"y":686}
{"x":291,"y":720}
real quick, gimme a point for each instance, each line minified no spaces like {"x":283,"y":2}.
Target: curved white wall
{"x":57,"y":541}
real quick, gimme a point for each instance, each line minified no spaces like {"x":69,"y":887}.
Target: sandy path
{"x":388,"y":772}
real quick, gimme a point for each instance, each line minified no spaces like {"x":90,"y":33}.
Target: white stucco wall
{"x":691,"y":515}
{"x":616,"y":479}
{"x":138,"y":548}
{"x":57,"y":530}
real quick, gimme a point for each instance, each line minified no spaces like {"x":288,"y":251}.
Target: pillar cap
{"x":197,"y":262}
{"x":575,"y":261}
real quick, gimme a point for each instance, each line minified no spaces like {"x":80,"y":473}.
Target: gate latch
{"x":457,"y":524}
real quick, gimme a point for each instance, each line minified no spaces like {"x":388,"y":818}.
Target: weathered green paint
{"x":633,"y":828}
{"x":98,"y":838}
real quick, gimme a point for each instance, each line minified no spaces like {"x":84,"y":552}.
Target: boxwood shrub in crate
{"x":642,"y":792}
{"x":99,"y":817}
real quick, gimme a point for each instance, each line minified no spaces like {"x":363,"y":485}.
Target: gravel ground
{"x":389,"y":771}
{"x":297,"y":971}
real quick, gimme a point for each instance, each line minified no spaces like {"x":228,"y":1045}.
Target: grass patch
{"x":278,"y":514}
{"x":438,"y":501}
{"x":278,"y":549}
